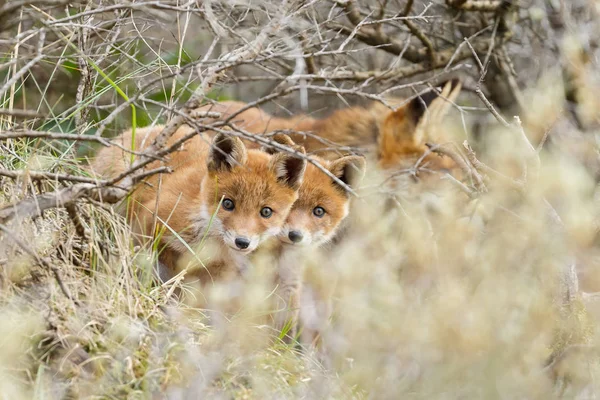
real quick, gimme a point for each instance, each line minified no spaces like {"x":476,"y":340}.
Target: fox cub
{"x":316,"y":216}
{"x":397,"y":138}
{"x":221,"y":195}
{"x":314,"y":220}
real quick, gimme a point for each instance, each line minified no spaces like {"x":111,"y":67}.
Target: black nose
{"x":295,"y":236}
{"x":242,"y":242}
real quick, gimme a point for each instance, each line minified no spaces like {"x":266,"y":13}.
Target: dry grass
{"x":443,"y":296}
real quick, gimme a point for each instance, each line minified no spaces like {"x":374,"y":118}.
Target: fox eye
{"x":319,"y":212}
{"x":228,"y":204}
{"x":266,"y":212}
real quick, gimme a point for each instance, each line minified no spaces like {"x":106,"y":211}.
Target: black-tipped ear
{"x":349,"y":169}
{"x":288,"y":168}
{"x":281,"y":139}
{"x":419,"y":105}
{"x":454,"y":83}
{"x":226,"y":152}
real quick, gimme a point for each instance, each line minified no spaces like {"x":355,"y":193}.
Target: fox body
{"x":221,"y":195}
{"x":397,"y":137}
{"x":315,"y":218}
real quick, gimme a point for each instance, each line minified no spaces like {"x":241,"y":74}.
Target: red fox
{"x":224,"y":193}
{"x":314,"y":220}
{"x":398,"y":137}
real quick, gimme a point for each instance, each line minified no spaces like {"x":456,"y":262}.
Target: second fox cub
{"x":315,"y":218}
{"x":221,"y":194}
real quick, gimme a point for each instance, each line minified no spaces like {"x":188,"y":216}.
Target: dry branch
{"x":33,"y":207}
{"x":5,"y":135}
{"x":469,"y":170}
{"x":21,"y":114}
{"x":13,"y":6}
{"x":77,"y":221}
{"x":376,"y":37}
{"x":47,"y":176}
{"x":39,"y":57}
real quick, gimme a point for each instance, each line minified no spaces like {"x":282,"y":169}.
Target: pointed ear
{"x":412,"y":124}
{"x":349,"y":169}
{"x":436,"y":102}
{"x":397,"y":130}
{"x":281,"y":139}
{"x":226,"y":152}
{"x":288,"y":168}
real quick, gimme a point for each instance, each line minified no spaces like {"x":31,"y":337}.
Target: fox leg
{"x":289,"y":285}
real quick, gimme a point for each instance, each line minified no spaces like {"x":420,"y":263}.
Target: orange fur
{"x":317,"y":191}
{"x":398,"y":137}
{"x":315,"y":218}
{"x":182,"y":204}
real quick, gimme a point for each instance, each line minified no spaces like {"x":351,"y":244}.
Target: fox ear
{"x":349,"y":169}
{"x":281,"y":139}
{"x":226,"y":152}
{"x":436,"y":102}
{"x":289,"y":169}
{"x":411,"y":123}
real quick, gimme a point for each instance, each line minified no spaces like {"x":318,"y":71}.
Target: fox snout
{"x":241,"y":242}
{"x":295,"y":236}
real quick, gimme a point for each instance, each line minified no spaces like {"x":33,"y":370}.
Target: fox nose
{"x":242,"y":242}
{"x":295,"y":236}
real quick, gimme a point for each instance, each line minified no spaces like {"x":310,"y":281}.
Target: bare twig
{"x":490,"y":107}
{"x":39,"y":57}
{"x":43,"y":176}
{"x":12,"y":6}
{"x":462,"y":163}
{"x":5,"y":135}
{"x":21,"y":113}
{"x":471,"y":156}
{"x":34,"y":206}
{"x":376,"y":37}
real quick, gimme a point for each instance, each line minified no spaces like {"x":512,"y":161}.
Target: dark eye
{"x":266,"y":212}
{"x":228,"y":204}
{"x":319,"y":212}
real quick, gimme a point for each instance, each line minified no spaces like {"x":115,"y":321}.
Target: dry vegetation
{"x":483,"y":288}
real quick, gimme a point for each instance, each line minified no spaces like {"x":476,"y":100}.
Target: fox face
{"x":322,"y":203}
{"x":406,"y":132}
{"x":247,"y":194}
